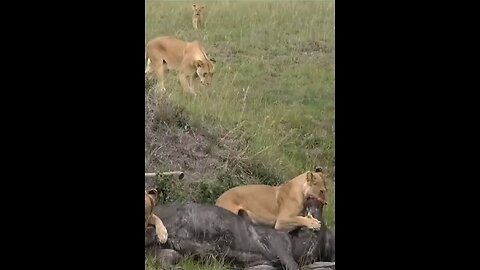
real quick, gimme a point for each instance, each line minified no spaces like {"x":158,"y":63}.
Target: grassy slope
{"x":274,"y":80}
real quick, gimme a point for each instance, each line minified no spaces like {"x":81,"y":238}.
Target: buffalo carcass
{"x":204,"y":229}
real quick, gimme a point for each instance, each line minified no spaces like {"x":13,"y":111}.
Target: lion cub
{"x":151,"y":218}
{"x":197,"y":17}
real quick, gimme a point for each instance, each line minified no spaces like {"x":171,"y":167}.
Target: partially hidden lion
{"x":151,"y":218}
{"x":278,"y":206}
{"x":198,"y":16}
{"x":188,"y":58}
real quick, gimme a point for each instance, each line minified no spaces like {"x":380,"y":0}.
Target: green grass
{"x":274,"y":82}
{"x":209,"y":263}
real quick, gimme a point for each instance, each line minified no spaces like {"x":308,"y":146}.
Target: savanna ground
{"x":270,"y":113}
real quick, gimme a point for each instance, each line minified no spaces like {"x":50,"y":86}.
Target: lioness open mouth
{"x":317,"y":200}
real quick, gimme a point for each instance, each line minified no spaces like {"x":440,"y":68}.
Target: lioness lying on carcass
{"x":205,"y":229}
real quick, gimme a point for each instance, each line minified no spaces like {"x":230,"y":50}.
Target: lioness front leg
{"x":160,"y":229}
{"x":195,"y":82}
{"x":195,"y":23}
{"x":290,"y":223}
{"x":185,"y":84}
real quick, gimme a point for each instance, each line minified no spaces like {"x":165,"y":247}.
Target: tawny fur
{"x":187,"y":58}
{"x":277,"y":206}
{"x":198,"y":16}
{"x":151,"y":218}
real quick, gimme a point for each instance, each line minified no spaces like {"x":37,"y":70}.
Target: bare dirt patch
{"x":212,"y":163}
{"x":173,"y":143}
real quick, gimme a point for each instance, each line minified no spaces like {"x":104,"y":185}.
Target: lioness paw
{"x":162,"y":235}
{"x":192,"y":91}
{"x":313,"y":223}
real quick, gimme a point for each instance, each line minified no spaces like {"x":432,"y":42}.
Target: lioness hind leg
{"x":160,"y":71}
{"x":264,"y":218}
{"x":228,"y":205}
{"x":148,"y":69}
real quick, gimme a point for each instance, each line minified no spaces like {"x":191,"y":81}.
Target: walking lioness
{"x":188,"y":58}
{"x":151,"y":218}
{"x":278,"y":206}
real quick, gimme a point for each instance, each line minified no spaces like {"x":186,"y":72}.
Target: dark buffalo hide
{"x":204,"y":229}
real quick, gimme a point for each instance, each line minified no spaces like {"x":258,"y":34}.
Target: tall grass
{"x":274,"y":82}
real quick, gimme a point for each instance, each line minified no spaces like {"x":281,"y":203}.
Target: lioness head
{"x":197,"y":9}
{"x":316,"y":186}
{"x":204,"y":71}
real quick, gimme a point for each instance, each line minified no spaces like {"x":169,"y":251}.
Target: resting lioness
{"x":197,"y":17}
{"x":278,"y":206}
{"x":151,"y":218}
{"x":188,"y":58}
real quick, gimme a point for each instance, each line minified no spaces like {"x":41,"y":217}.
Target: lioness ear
{"x":310,"y":178}
{"x":213,"y":60}
{"x":198,"y":63}
{"x":152,"y":191}
{"x":319,"y":169}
